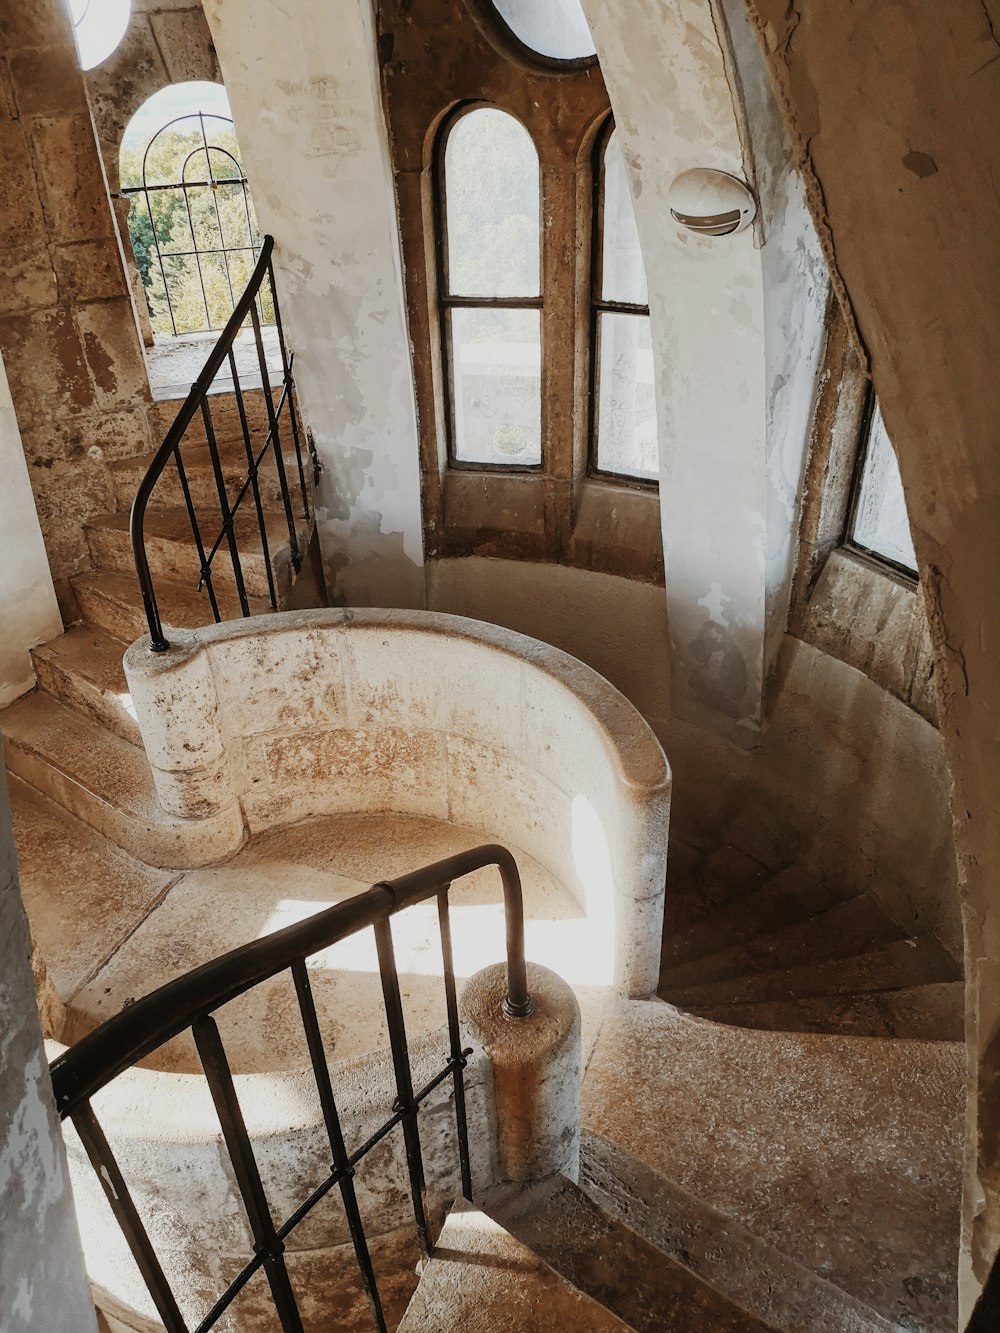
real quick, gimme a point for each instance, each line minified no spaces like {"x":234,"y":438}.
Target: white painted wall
{"x":29,"y":613}
{"x":736,"y":335}
{"x":304,"y":90}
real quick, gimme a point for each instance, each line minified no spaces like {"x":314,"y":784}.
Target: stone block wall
{"x":68,"y":334}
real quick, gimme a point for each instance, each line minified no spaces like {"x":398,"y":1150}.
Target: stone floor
{"x":112,"y":929}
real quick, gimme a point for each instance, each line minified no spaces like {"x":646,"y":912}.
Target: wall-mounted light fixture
{"x":711,"y":203}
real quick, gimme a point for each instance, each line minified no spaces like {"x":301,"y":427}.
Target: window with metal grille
{"x":624,"y":441}
{"x":191,"y":219}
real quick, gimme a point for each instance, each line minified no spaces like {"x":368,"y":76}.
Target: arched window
{"x":490,"y":290}
{"x":192,"y":224}
{"x":624,"y":410}
{"x":98,"y":28}
{"x":556,"y":30}
{"x":878,"y":523}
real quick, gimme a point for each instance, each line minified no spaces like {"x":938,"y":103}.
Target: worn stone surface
{"x":843,"y":1153}
{"x":482,"y":1280}
{"x":715,"y":1246}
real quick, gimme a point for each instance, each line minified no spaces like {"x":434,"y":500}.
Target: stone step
{"x":726,"y":876}
{"x":83,"y":668}
{"x":852,"y":927}
{"x":127,"y":473}
{"x":225,"y":416}
{"x":894,"y":966}
{"x":843,"y":1153}
{"x":482,"y":1280}
{"x":790,"y":896}
{"x":172,"y":554}
{"x":595,"y":1251}
{"x":84,"y":896}
{"x":717,"y":1248}
{"x":935,"y":1012}
{"x":106,"y":782}
{"x":113,"y":602}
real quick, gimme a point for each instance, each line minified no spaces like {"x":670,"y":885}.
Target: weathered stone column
{"x":537,"y":1069}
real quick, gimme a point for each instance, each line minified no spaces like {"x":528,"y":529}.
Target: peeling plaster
{"x":316,"y":151}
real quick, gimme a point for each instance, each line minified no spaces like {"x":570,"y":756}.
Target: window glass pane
{"x":626,"y":405}
{"x":496,"y":379}
{"x":622,"y":272}
{"x":491,"y":205}
{"x":98,"y":26}
{"x":554,"y":28}
{"x":880,"y":521}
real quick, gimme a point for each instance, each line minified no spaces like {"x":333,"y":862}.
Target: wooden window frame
{"x":448,"y":302}
{"x":600,"y":305}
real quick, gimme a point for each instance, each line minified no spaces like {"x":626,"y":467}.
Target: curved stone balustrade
{"x":270,"y":720}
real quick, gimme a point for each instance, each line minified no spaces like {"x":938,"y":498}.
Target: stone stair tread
{"x":646,"y":1288}
{"x":898,"y":965}
{"x":934,"y":1012}
{"x":843,"y":1153}
{"x":84,"y":896}
{"x":112,"y":600}
{"x":854,"y":926}
{"x":725,"y":876}
{"x":790,"y":896}
{"x":109,"y":768}
{"x":481,"y":1279}
{"x":83,"y":668}
{"x":718,"y":1248}
{"x":171,"y":524}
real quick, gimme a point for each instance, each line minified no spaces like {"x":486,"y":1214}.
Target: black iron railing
{"x":190,"y":1001}
{"x":198,"y":405}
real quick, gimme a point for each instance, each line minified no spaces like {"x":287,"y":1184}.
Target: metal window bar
{"x":184,"y":186}
{"x":171,"y":450}
{"x":190,"y":1001}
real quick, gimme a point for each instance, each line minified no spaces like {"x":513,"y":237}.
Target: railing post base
{"x":537,"y":1067}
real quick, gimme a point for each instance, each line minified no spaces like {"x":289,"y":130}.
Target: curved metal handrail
{"x":197,"y":401}
{"x":140,"y":1029}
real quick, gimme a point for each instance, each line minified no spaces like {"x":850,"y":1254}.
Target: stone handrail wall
{"x":317,"y":712}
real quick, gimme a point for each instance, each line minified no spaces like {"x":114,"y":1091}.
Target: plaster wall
{"x":306,"y":102}
{"x":887,"y":104}
{"x":42,"y":1280}
{"x":673,"y":108}
{"x":616,"y":626}
{"x":29,"y":612}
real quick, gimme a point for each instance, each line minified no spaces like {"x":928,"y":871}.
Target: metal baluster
{"x":234,"y":1131}
{"x":455,"y":1040}
{"x":204,"y":566}
{"x":118,"y":1196}
{"x":321,"y":1070}
{"x":227,"y":517}
{"x":286,"y":371}
{"x":252,"y":474}
{"x":272,"y":423}
{"x":404,"y":1081}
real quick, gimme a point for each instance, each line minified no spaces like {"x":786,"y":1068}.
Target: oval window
{"x":555,"y":29}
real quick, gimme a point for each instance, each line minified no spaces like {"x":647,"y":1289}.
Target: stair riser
{"x":72,"y":689}
{"x":168,"y":492}
{"x":172,"y":847}
{"x":119,"y":619}
{"x":111,"y":550}
{"x":225,"y":417}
